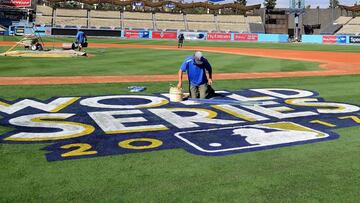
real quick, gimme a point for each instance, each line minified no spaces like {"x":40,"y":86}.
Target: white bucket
{"x":176,"y":94}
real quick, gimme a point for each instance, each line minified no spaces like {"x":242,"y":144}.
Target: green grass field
{"x":319,"y":172}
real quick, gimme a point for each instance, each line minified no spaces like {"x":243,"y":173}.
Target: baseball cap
{"x":197,"y":56}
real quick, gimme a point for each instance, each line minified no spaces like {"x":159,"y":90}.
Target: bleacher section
{"x":71,"y":12}
{"x":351,"y":25}
{"x":169,"y":17}
{"x":202,"y":26}
{"x":112,"y":23}
{"x":342,"y":20}
{"x":70,"y":21}
{"x":232,"y":27}
{"x":137,"y":16}
{"x":200,"y":18}
{"x":104,"y":14}
{"x":44,"y":10}
{"x":231,"y":18}
{"x":138,"y":24}
{"x":170,"y":25}
{"x":149,"y":21}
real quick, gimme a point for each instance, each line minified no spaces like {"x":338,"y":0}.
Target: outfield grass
{"x":319,"y":172}
{"x":140,"y":62}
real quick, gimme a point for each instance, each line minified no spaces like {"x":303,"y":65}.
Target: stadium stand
{"x":232,"y":27}
{"x":149,"y":21}
{"x":342,"y":20}
{"x":44,"y":10}
{"x":231,"y":18}
{"x":104,"y":14}
{"x":169,"y":17}
{"x":71,"y":12}
{"x":137,"y":15}
{"x":203,"y":26}
{"x":97,"y":22}
{"x":354,"y":21}
{"x":43,"y":20}
{"x":138,"y":24}
{"x":70,"y":21}
{"x":167,"y":25}
{"x":253,"y":19}
{"x":351,"y":25}
{"x":200,"y":18}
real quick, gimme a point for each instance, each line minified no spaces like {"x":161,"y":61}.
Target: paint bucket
{"x":176,"y":94}
{"x":67,"y":46}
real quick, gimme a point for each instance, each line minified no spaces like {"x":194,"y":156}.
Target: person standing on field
{"x":199,"y":73}
{"x":181,"y":40}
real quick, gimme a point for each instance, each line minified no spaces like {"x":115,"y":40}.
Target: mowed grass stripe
{"x":141,"y":62}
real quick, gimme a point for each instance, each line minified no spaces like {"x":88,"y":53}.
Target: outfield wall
{"x":212,"y":36}
{"x":331,"y":39}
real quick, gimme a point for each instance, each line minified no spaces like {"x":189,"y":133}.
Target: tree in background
{"x":270,"y":4}
{"x":242,"y":2}
{"x":333,"y":3}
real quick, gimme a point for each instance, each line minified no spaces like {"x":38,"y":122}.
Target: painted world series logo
{"x":233,"y":122}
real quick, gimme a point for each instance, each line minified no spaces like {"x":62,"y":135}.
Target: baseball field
{"x":156,"y":159}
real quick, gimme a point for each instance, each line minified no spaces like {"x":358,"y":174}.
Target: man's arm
{"x":180,"y":77}
{"x":208,"y":72}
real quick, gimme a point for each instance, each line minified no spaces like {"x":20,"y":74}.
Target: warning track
{"x":332,"y":63}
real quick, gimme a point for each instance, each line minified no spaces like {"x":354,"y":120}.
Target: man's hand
{"x":210,"y":81}
{"x":179,"y":85}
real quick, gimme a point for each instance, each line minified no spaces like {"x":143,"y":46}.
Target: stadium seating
{"x":176,"y":25}
{"x":97,"y":22}
{"x":200,"y":18}
{"x":157,"y":21}
{"x":232,"y":27}
{"x":71,"y":12}
{"x":349,"y":29}
{"x":43,"y":20}
{"x":351,"y":25}
{"x":342,"y":20}
{"x":44,"y":10}
{"x":139,"y":24}
{"x":202,"y":26}
{"x":253,"y":19}
{"x":137,"y":15}
{"x":169,"y":17}
{"x":231,"y":18}
{"x":104,"y":14}
{"x":72,"y":21}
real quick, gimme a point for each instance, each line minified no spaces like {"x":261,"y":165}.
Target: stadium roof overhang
{"x":355,"y":8}
{"x":163,"y":3}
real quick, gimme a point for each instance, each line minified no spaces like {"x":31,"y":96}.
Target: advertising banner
{"x":16,"y":3}
{"x":341,"y":39}
{"x":354,"y":39}
{"x":164,"y":35}
{"x":144,"y":34}
{"x":132,"y":34}
{"x":194,"y":35}
{"x":246,"y":37}
{"x":219,"y":36}
{"x":329,"y":39}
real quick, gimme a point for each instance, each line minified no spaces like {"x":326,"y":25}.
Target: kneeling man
{"x":199,"y":73}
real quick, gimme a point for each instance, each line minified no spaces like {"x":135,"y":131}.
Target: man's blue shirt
{"x":80,"y":37}
{"x":196,"y":73}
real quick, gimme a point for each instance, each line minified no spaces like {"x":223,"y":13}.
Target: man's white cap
{"x":197,"y":57}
